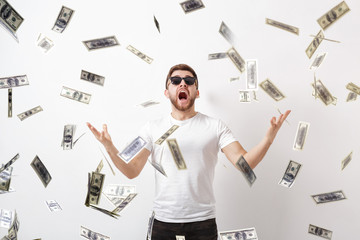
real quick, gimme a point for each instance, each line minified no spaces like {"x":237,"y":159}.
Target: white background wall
{"x":275,"y":212}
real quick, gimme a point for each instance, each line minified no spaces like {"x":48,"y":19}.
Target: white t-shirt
{"x":186,"y":195}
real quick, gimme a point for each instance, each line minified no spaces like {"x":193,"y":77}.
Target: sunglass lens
{"x":189,"y":80}
{"x":176,"y":80}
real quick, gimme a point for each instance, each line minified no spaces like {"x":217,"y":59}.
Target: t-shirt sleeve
{"x":225,"y":135}
{"x":145,"y":134}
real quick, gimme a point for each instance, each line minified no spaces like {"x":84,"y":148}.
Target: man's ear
{"x":197,"y":94}
{"x":166,"y":93}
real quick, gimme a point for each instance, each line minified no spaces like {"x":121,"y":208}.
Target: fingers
{"x":105,"y":128}
{"x":93,"y":130}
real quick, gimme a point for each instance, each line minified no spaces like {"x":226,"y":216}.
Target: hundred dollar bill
{"x":5,"y":218}
{"x":9,"y":163}
{"x":132,"y":149}
{"x":236,"y":59}
{"x":10,"y":102}
{"x":244,"y":96}
{"x":246,"y":234}
{"x":251,"y":74}
{"x":324,"y":94}
{"x":180,"y":237}
{"x":321,"y":232}
{"x":317,"y":61}
{"x":63,"y":19}
{"x":8,"y":191}
{"x":150,"y":226}
{"x":124,"y":203}
{"x":53,"y":205}
{"x":29,"y":113}
{"x":41,"y":171}
{"x":272,"y":90}
{"x":45,"y":43}
{"x":101,"y":43}
{"x":346,"y":161}
{"x":121,"y":191}
{"x":93,"y":78}
{"x":75,"y":95}
{"x":282,"y":26}
{"x":314,"y":44}
{"x":166,"y":135}
{"x":354,"y":88}
{"x":351,"y":97}
{"x":333,"y":15}
{"x":177,"y":156}
{"x":96,"y":184}
{"x":302,"y":130}
{"x":68,"y":136}
{"x":100,"y":166}
{"x":88,"y":234}
{"x":329,"y":197}
{"x":14,"y":228}
{"x":290,"y":174}
{"x":157,"y":24}
{"x":256,"y":100}
{"x":225,"y":31}
{"x":139,"y":54}
{"x":192,"y":5}
{"x":214,"y":56}
{"x":246,"y":170}
{"x":9,"y":17}
{"x":148,"y":103}
{"x":15,"y":81}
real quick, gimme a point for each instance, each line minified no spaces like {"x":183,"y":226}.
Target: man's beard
{"x":182,"y":108}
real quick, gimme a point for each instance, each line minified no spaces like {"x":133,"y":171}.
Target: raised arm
{"x":131,"y":169}
{"x":234,"y":150}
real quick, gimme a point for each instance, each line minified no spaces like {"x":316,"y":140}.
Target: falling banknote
{"x":314,"y":44}
{"x":302,"y":130}
{"x":139,"y":54}
{"x":242,"y":234}
{"x":214,"y":56}
{"x":68,"y":136}
{"x":9,"y":102}
{"x":166,"y":134}
{"x":192,"y":5}
{"x":53,"y":205}
{"x":9,"y":18}
{"x":132,"y":149}
{"x":9,"y":163}
{"x":15,"y":81}
{"x":63,"y":19}
{"x":29,"y":113}
{"x":100,"y":43}
{"x":96,"y":185}
{"x":251,"y":74}
{"x":246,"y":170}
{"x":353,"y":87}
{"x":290,"y":174}
{"x":333,"y":15}
{"x":244,"y":96}
{"x":41,"y":171}
{"x":236,"y":59}
{"x":124,"y":203}
{"x":329,"y":197}
{"x":272,"y":90}
{"x":226,"y":32}
{"x":88,"y":234}
{"x":5,"y":179}
{"x":45,"y":43}
{"x":92,"y":77}
{"x":321,"y":232}
{"x":317,"y":61}
{"x":282,"y":26}
{"x":346,"y":161}
{"x":323,"y":93}
{"x":176,"y":153}
{"x":75,"y":95}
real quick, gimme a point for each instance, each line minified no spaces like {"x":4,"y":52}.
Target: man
{"x":184,"y":201}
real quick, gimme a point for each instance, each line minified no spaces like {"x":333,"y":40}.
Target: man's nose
{"x":183,"y":83}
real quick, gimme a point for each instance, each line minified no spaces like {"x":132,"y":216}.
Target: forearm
{"x":257,"y":153}
{"x":128,"y":169}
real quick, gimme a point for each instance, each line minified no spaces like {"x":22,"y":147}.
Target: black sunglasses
{"x":177,"y":80}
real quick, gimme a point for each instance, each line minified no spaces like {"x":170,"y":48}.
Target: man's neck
{"x":183,"y":115}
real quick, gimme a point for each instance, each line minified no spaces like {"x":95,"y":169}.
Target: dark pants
{"x":203,"y":230}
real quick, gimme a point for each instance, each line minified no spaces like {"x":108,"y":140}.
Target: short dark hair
{"x":184,"y":67}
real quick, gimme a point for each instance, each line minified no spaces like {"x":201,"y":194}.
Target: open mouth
{"x":183,"y":95}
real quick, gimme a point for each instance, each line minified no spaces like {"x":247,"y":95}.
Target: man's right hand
{"x":103,"y":136}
